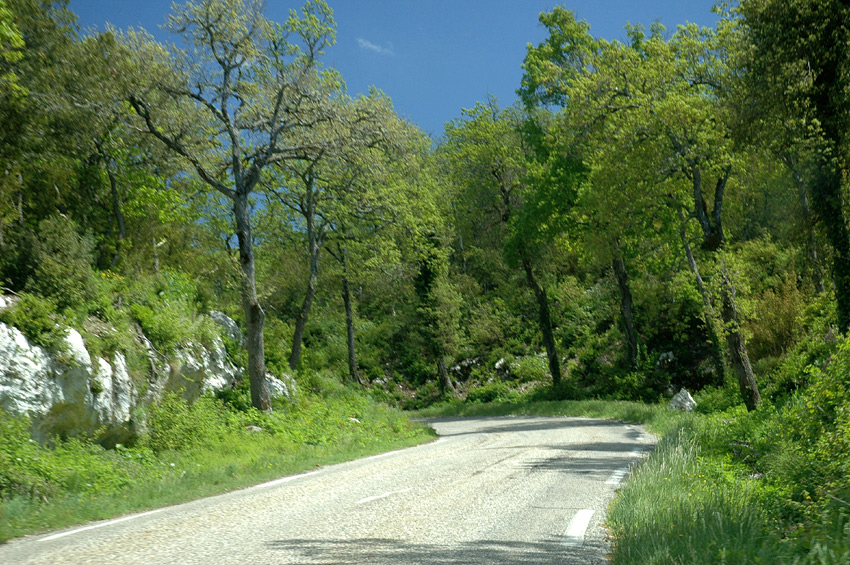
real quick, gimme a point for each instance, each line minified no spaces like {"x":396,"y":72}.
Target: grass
{"x":720,"y":487}
{"x":608,"y":409}
{"x":44,"y":488}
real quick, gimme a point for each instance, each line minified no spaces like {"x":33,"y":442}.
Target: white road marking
{"x":378,"y":456}
{"x":635,"y":453}
{"x":283,"y":480}
{"x":379,"y":496}
{"x":109,"y":523}
{"x":574,"y":536}
{"x":616,"y":477}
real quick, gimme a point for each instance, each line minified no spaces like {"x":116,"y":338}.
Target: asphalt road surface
{"x":490,"y":490}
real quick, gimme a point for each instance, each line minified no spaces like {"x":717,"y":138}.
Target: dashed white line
{"x":101,"y":525}
{"x":379,"y":496}
{"x":574,"y":536}
{"x":616,"y":477}
{"x":283,"y":480}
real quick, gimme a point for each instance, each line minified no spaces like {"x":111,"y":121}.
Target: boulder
{"x":682,"y":401}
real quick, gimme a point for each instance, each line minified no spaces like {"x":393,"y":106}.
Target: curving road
{"x":490,"y":490}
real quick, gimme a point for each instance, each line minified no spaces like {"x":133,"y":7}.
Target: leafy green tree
{"x":343,"y":183}
{"x":246,"y":94}
{"x":651,"y":110}
{"x":523,"y":188}
{"x":797,"y":60}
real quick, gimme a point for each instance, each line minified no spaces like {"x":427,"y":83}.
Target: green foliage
{"x":62,"y":264}
{"x":41,"y":473}
{"x":494,"y":391}
{"x":166,"y":307}
{"x":37,"y":319}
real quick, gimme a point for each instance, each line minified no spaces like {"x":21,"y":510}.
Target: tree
{"x":797,"y":63}
{"x":244,"y":95}
{"x":523,"y":190}
{"x":651,"y":110}
{"x":343,"y":183}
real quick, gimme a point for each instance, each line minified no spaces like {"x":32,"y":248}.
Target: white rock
{"x":229,"y":325}
{"x":281,"y":388}
{"x":683,"y":401}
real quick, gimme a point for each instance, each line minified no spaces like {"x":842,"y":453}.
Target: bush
{"x":62,"y":261}
{"x":166,"y":307}
{"x":37,"y":319}
{"x":530,"y":368}
{"x":495,"y":391}
{"x":176,"y":425}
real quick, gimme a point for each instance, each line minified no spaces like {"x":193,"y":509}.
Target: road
{"x":490,"y":490}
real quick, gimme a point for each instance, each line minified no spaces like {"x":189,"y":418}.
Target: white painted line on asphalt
{"x":283,"y":480}
{"x":378,"y":456}
{"x":386,"y":494}
{"x":101,"y":525}
{"x":616,"y":477}
{"x":574,"y":536}
{"x":635,"y":453}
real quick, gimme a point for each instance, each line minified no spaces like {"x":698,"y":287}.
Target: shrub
{"x":495,"y":391}
{"x":176,"y":425}
{"x":62,"y":261}
{"x":37,"y":319}
{"x":530,"y":368}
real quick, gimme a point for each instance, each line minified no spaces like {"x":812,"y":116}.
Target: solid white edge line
{"x":101,"y":525}
{"x":264,"y":485}
{"x":578,"y":527}
{"x":281,"y":481}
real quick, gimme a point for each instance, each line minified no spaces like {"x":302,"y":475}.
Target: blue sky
{"x":432,"y":57}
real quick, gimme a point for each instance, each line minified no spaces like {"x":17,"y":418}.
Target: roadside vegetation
{"x":663,"y":212}
{"x":191,"y":451}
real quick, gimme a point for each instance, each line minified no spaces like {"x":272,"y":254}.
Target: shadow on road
{"x":509,"y":424}
{"x":378,"y":550}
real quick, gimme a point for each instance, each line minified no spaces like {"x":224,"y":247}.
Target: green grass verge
{"x":193,"y":451}
{"x":608,"y":409}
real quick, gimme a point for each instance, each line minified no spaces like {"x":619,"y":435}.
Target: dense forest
{"x":653,"y":214}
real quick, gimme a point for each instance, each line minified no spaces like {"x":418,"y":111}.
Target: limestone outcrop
{"x":66,"y":390}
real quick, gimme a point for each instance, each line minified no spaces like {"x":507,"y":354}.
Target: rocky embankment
{"x":66,"y":390}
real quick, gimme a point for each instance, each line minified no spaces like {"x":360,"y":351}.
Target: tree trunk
{"x":626,"y":304}
{"x":826,"y":195}
{"x":737,"y":346}
{"x":445,"y":379}
{"x":349,"y":321}
{"x":828,"y":99}
{"x":314,"y":244}
{"x":545,"y":322}
{"x":119,"y":214}
{"x":716,"y":352}
{"x":254,"y":315}
{"x":808,"y":223}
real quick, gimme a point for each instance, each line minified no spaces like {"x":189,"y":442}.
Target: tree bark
{"x":716,"y":352}
{"x":445,"y":379}
{"x":349,"y":320}
{"x":314,"y":245}
{"x":545,"y":322}
{"x":119,"y":214}
{"x":626,"y":304}
{"x":254,"y":315}
{"x":737,"y":346}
